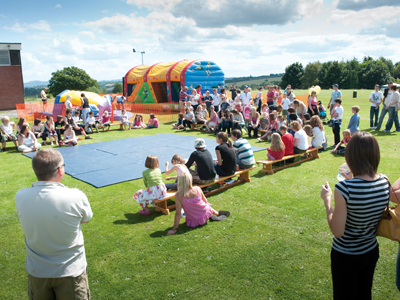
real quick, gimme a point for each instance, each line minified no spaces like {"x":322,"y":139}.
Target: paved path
{"x":9,"y":113}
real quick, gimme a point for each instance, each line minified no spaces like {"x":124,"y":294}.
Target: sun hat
{"x":199,"y":143}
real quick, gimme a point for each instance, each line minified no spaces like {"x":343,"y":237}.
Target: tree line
{"x":350,"y":74}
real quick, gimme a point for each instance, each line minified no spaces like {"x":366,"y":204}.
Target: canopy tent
{"x":161,"y":82}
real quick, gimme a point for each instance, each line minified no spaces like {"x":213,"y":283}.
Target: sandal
{"x":142,"y":212}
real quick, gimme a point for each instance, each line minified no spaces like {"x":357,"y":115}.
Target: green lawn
{"x":275,"y":245}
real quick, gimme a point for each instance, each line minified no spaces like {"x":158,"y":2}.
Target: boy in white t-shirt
{"x":216,"y":100}
{"x":376,"y":99}
{"x":91,"y":123}
{"x":285,"y":104}
{"x":337,"y":115}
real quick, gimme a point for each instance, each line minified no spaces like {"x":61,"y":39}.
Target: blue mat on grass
{"x":107,"y":163}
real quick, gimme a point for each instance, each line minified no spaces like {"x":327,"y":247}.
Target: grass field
{"x":275,"y":245}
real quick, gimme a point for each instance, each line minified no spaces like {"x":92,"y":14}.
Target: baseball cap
{"x":245,"y":86}
{"x":199,"y":143}
{"x":336,"y":85}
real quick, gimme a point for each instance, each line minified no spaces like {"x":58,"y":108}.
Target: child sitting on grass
{"x":339,"y":149}
{"x":59,"y":125}
{"x":155,"y":188}
{"x":192,"y":200}
{"x":179,"y":122}
{"x":277,"y":149}
{"x":178,"y":166}
{"x":125,"y":121}
{"x":273,"y":127}
{"x":354,"y":120}
{"x":153,"y":122}
{"x":264,"y":121}
{"x":69,"y":137}
{"x":105,"y":121}
{"x":137,"y":124}
{"x":91,"y":123}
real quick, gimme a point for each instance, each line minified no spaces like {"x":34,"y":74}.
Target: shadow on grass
{"x":137,"y":218}
{"x":261,"y":174}
{"x":181,"y":230}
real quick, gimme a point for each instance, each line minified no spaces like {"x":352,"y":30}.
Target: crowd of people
{"x":58,"y":266}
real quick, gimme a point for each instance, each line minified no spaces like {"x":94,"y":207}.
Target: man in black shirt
{"x":233,"y":91}
{"x":205,"y":171}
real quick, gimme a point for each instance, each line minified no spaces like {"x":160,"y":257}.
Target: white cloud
{"x":41,"y":26}
{"x":310,"y":8}
{"x":88,"y":33}
{"x":105,"y":11}
{"x":17,"y":27}
{"x":58,"y":6}
{"x":155,"y":4}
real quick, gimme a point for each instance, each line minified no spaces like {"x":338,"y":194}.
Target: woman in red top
{"x":277,"y":149}
{"x":270,"y":96}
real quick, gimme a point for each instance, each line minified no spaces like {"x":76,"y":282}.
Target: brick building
{"x":11,"y":81}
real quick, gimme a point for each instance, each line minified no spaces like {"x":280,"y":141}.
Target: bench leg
{"x":267,"y":169}
{"x":246,"y":176}
{"x":162,"y":207}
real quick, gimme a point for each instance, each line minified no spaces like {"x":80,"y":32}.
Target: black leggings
{"x":250,"y":128}
{"x":187,"y":123}
{"x":336,"y":132}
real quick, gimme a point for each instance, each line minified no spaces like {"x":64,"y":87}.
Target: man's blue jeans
{"x":381,"y":117}
{"x":374,"y":113}
{"x":393,"y":117}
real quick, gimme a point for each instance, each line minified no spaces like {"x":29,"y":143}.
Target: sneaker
{"x":142,"y":212}
{"x":88,"y":138}
{"x":224,"y":213}
{"x":372,"y":128}
{"x":218,"y":218}
{"x":259,"y":139}
{"x":396,"y":131}
{"x":384,"y":130}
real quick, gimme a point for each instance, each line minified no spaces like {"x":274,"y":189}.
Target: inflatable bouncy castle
{"x":162,"y":82}
{"x":102,"y":103}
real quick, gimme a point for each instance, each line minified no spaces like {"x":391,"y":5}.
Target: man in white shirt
{"x":51,"y":216}
{"x":386,"y":101}
{"x":216,"y":100}
{"x":375,"y":98}
{"x":245,"y":96}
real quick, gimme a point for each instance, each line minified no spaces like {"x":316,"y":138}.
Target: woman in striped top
{"x":359,"y":204}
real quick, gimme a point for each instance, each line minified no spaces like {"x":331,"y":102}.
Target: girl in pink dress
{"x":196,"y":207}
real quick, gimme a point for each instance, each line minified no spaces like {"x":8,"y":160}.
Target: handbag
{"x":389,"y":225}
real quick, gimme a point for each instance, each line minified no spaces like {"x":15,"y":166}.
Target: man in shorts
{"x":51,"y":215}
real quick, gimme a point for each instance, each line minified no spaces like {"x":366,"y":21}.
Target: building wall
{"x":11,"y":87}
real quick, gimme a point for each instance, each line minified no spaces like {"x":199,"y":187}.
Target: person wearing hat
{"x":245,"y":96}
{"x":336,"y":94}
{"x":204,"y":171}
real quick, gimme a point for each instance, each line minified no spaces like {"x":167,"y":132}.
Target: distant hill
{"x":254,"y":81}
{"x":35,"y":83}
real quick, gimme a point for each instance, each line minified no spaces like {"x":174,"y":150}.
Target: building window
{"x":4,"y":58}
{"x":15,"y":58}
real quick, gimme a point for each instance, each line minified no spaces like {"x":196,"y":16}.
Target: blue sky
{"x":245,"y":37}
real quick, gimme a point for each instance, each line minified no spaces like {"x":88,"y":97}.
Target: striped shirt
{"x":365,"y":202}
{"x":183,"y":96}
{"x":244,"y":151}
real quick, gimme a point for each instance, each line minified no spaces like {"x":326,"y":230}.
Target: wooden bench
{"x":194,"y":126}
{"x":267,"y":164}
{"x":244,"y":176}
{"x":13,"y":146}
